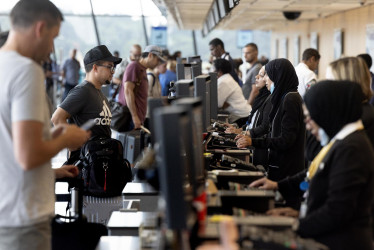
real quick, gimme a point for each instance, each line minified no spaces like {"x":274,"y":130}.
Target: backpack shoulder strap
{"x":154,"y":78}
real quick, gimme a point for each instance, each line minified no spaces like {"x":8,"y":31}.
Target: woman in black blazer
{"x":341,"y":192}
{"x":340,"y":180}
{"x":287,"y":137}
{"x":258,"y":120}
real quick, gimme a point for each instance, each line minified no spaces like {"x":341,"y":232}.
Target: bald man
{"x":135,"y":53}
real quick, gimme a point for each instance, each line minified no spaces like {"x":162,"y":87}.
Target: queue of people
{"x":315,"y":138}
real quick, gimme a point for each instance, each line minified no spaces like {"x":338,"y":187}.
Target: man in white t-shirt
{"x":28,"y":144}
{"x":230,"y":95}
{"x":305,"y":70}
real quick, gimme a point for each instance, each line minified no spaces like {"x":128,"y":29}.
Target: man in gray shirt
{"x":70,"y":73}
{"x":86,"y":101}
{"x":250,"y":52}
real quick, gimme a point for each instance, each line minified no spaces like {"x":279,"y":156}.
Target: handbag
{"x":121,"y":117}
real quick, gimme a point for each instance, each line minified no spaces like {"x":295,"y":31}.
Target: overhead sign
{"x":159,"y":36}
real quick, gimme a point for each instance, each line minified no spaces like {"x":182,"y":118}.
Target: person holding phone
{"x":28,"y":143}
{"x":86,"y":101}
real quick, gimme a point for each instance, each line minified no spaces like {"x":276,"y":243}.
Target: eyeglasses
{"x":112,"y":68}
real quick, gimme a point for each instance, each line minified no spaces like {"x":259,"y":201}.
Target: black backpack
{"x":103,"y":169}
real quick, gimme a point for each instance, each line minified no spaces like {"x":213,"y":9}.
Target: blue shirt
{"x":165,"y":79}
{"x":71,"y":68}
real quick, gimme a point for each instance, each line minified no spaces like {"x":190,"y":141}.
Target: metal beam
{"x":95,"y":25}
{"x":144,"y":27}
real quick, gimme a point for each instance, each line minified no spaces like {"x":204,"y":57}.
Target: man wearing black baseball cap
{"x":134,"y":90}
{"x":86,"y":101}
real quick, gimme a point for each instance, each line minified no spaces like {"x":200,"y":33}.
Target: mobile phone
{"x":88,"y":124}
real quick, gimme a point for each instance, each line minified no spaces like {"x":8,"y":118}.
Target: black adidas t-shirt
{"x":85,"y":102}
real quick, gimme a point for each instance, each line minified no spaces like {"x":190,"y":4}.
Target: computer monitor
{"x":181,"y":60}
{"x":184,"y":88}
{"x":205,"y":86}
{"x":196,"y":170}
{"x":154,"y":103}
{"x":187,"y":71}
{"x":202,"y":90}
{"x":195,"y":60}
{"x":213,"y":96}
{"x":184,"y":71}
{"x":173,"y":157}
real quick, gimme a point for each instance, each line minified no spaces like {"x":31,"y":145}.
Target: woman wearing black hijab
{"x":287,"y":137}
{"x":341,"y":191}
{"x":340,"y":180}
{"x":258,"y":121}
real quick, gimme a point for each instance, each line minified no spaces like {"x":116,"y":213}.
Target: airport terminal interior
{"x":187,"y":124}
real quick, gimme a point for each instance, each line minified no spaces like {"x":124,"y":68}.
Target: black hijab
{"x":283,"y":74}
{"x":258,"y":101}
{"x":333,"y":104}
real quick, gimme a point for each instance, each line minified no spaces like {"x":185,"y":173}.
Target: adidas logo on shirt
{"x":105,"y":116}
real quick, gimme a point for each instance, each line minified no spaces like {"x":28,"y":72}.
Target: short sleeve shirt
{"x":306,"y":78}
{"x":137,"y":74}
{"x":71,"y":68}
{"x":86,"y":102}
{"x":27,"y":197}
{"x":232,"y":94}
{"x":250,"y":78}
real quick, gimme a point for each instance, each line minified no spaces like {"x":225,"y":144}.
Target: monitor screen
{"x":187,"y":71}
{"x":184,"y":71}
{"x":153,"y":104}
{"x":194,"y":59}
{"x":195,"y":112}
{"x":202,"y":90}
{"x":213,"y":96}
{"x":184,"y":88}
{"x":174,"y":157}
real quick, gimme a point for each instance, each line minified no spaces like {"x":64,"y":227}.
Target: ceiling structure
{"x":254,"y":14}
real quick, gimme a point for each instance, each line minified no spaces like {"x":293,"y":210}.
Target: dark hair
{"x":222,"y":65}
{"x":116,"y":52}
{"x":166,"y":53}
{"x":309,"y":53}
{"x":216,"y":41}
{"x":26,"y":12}
{"x":237,"y":62}
{"x":145,"y":54}
{"x":89,"y":66}
{"x":3,"y":37}
{"x":253,"y":45}
{"x":367,"y":59}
